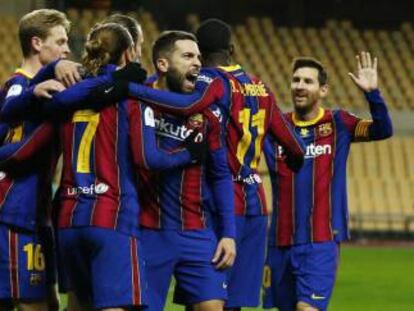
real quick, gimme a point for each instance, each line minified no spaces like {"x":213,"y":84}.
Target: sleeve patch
{"x":204,"y":78}
{"x":14,"y":90}
{"x":149,"y":119}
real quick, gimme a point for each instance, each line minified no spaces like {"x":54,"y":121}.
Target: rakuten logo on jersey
{"x":312,"y":151}
{"x":91,"y":190}
{"x":171,"y":130}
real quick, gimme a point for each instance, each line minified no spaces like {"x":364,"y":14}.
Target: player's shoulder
{"x":208,"y":75}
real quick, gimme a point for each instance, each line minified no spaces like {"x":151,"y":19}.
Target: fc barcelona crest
{"x":325,"y":129}
{"x":196,"y":120}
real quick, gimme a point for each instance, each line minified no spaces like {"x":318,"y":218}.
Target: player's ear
{"x":162,"y":65}
{"x":129,"y":55}
{"x":323,"y":91}
{"x":36,"y":43}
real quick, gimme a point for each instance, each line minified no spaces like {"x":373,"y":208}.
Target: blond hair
{"x":38,"y":24}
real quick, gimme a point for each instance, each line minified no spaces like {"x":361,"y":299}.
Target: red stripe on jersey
{"x":322,"y":179}
{"x":136,"y":131}
{"x":5,"y":185}
{"x":262,"y":199}
{"x":136,"y":284}
{"x":14,"y":264}
{"x":191,"y":205}
{"x":149,"y":199}
{"x":68,"y":180}
{"x":286,"y":205}
{"x":106,"y":209}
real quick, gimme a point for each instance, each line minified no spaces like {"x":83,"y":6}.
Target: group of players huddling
{"x":159,"y":175}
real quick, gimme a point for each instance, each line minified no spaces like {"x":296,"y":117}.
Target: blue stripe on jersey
{"x":303,"y":201}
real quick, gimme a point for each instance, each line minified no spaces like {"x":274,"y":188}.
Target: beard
{"x":174,"y":80}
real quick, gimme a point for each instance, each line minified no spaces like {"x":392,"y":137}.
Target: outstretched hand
{"x":366,"y":77}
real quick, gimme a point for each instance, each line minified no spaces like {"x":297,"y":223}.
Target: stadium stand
{"x":381,"y":175}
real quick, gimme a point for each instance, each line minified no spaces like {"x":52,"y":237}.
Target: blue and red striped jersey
{"x":311,"y":204}
{"x":102,"y":151}
{"x":25,"y":186}
{"x":249,"y":111}
{"x":184,"y":198}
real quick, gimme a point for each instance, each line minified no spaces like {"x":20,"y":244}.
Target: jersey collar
{"x":24,"y":73}
{"x":230,"y":68}
{"x":315,"y":120}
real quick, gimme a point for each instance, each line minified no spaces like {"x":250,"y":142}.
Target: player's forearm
{"x":289,"y":140}
{"x":158,"y":159}
{"x":25,"y":149}
{"x":381,"y":127}
{"x":222,"y":187}
{"x":45,"y":73}
{"x":183,"y":104}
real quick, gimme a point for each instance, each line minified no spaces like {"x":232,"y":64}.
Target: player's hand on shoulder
{"x":197,"y":146}
{"x":46,"y":88}
{"x":131,"y":72}
{"x":68,"y":72}
{"x":366,"y":76}
{"x":225,"y":253}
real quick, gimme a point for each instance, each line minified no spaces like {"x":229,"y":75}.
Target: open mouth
{"x":190,"y":79}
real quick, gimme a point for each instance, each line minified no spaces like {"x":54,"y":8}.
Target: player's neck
{"x":308,"y":115}
{"x":31,"y":65}
{"x":216,"y":60}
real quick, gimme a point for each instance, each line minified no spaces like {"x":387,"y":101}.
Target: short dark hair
{"x":213,"y":35}
{"x":128,"y":22}
{"x":311,"y":62}
{"x":166,"y":41}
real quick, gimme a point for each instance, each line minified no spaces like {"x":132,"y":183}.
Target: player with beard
{"x":248,"y":111}
{"x":310,"y":214}
{"x":176,"y":222}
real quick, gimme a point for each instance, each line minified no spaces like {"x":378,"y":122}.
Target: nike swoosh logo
{"x":315,"y":297}
{"x":108,"y":90}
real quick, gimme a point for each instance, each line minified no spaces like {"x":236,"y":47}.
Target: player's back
{"x":247,"y":107}
{"x":98,"y":183}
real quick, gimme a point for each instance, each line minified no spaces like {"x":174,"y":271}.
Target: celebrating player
{"x":99,"y":209}
{"x":249,"y":112}
{"x":310,"y":215}
{"x":27,"y":266}
{"x":176,"y":218}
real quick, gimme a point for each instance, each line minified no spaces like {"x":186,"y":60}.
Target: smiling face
{"x":306,"y":90}
{"x":181,"y":66}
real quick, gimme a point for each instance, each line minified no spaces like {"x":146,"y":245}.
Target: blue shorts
{"x":245,"y":277}
{"x":22,"y":265}
{"x":104,"y":267}
{"x":187,"y":255}
{"x":300,"y":273}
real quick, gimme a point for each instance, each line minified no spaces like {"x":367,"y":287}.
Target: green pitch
{"x":369,"y":279}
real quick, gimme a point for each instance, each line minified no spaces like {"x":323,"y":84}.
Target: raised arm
{"x":366,"y":79}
